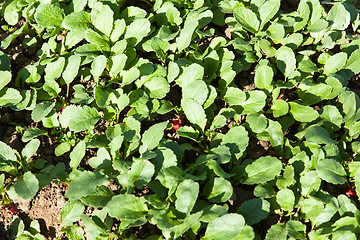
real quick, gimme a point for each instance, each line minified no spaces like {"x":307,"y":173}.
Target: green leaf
{"x":254,"y":103}
{"x":234,"y":96}
{"x":188,"y":132}
{"x":257,"y":122}
{"x":5,"y":70}
{"x":141,"y":173}
{"x":276,"y":134}
{"x":264,"y":77}
{"x":227,"y":227}
{"x":31,"y":133}
{"x":236,"y":139}
{"x":196,"y":90}
{"x":137,"y":30}
{"x":279,"y":107}
{"x":52,"y":88}
{"x":262,"y":170}
{"x":267,"y":48}
{"x":294,"y":40}
{"x":277,"y":232}
{"x":286,"y":199}
{"x":77,"y":154}
{"x":319,"y":135}
{"x":339,"y":17}
{"x":190,"y":73}
{"x":127,"y":207}
{"x":285,"y":60}
{"x":25,"y":187}
{"x":308,"y":66}
{"x":315,"y":93}
{"x":98,"y":39}
{"x":357,"y":182}
{"x":268,"y":10}
{"x":9,"y":97}
{"x":229,"y":6}
{"x":354,"y":129}
{"x":79,"y":118}
{"x":186,"y":196}
{"x":118,"y":29}
{"x":138,"y":98}
{"x":276,"y":32}
{"x":194,"y":112}
{"x":211,"y":212}
{"x":296,"y":229}
{"x":97,"y":66}
{"x":103,"y":19}
{"x":118,"y":63}
{"x":215,"y":166}
{"x":312,"y":208}
{"x":41,"y":110}
{"x":158,"y":87}
{"x":84,"y":184}
{"x":159,"y":46}
{"x":254,"y":210}
{"x":71,"y":69}
{"x":303,"y":113}
{"x":77,"y":21}
{"x":318,"y":25}
{"x":247,"y":19}
{"x":94,"y":226}
{"x":335,"y":63}
{"x":99,"y":198}
{"x":353,"y":63}
{"x":287,"y":179}
{"x":29,"y":150}
{"x":102,"y":159}
{"x":79,"y":5}
{"x":152,"y":137}
{"x":10,"y":10}
{"x":71,"y":212}
{"x":218,"y":122}
{"x":218,"y":190}
{"x":102,"y":96}
{"x":133,"y":74}
{"x":74,"y":232}
{"x":54,"y":69}
{"x":190,"y":221}
{"x":5,"y":78}
{"x":331,"y":171}
{"x":185,"y":37}
{"x":344,"y":234}
{"x":62,"y":148}
{"x":49,"y":15}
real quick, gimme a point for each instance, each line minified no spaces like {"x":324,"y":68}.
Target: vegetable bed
{"x":179,"y":119}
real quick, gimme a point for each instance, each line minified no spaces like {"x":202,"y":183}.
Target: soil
{"x":44,"y":207}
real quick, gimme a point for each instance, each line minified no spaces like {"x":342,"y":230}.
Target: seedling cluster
{"x":164,"y":113}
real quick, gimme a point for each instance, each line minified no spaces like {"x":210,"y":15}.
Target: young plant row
{"x":167,"y":80}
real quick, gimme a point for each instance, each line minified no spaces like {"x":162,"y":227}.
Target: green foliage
{"x":154,"y":98}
